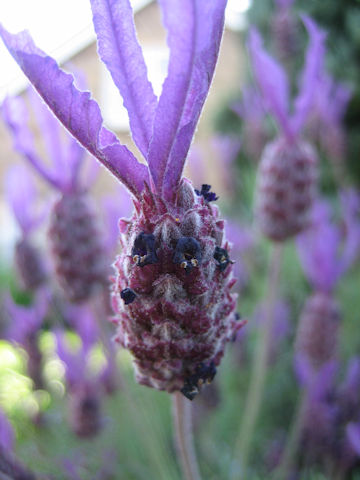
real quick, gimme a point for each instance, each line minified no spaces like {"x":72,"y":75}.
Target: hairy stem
{"x":259,"y":368}
{"x":184,"y":437}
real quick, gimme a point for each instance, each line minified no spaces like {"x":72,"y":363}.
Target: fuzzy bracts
{"x":183,"y":311}
{"x":76,"y":246}
{"x":285,"y":188}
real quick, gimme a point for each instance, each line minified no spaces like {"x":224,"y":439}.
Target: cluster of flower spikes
{"x":21,"y":197}
{"x":73,"y":233}
{"x":169,"y":249}
{"x":286,"y":179}
{"x":325,"y":256}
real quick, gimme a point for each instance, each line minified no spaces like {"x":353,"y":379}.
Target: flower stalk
{"x":259,"y":367}
{"x":184,"y":437}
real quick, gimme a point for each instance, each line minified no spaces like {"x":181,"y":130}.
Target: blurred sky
{"x":62,"y":28}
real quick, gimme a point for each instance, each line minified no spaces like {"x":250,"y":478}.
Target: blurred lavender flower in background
{"x":24,"y":327}
{"x":73,"y":234}
{"x":85,"y":387}
{"x":22,"y":197}
{"x":287,"y":172}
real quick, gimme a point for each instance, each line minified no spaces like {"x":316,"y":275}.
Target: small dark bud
{"x":205,"y":192}
{"x":187,"y":253}
{"x":222,"y":257}
{"x":143,"y":251}
{"x":128,"y":295}
{"x":204,"y":374}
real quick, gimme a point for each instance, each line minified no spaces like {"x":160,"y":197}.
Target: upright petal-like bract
{"x":171,"y":293}
{"x":121,"y":53}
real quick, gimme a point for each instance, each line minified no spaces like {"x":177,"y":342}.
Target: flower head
{"x":287,"y":174}
{"x":22,"y":197}
{"x":178,"y":323}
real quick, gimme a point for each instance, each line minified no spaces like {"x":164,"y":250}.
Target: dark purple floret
{"x":222,"y":257}
{"x":128,"y":295}
{"x":204,"y":374}
{"x":205,"y":192}
{"x":187,"y":253}
{"x":143,"y":251}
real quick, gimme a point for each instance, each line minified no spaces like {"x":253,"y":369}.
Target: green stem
{"x":293,"y":439}
{"x":259,"y":368}
{"x":184,"y":437}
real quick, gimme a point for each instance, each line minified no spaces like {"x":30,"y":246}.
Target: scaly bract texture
{"x":183,"y":312}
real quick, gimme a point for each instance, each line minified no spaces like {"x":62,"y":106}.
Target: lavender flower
{"x":21,"y":195}
{"x":84,"y":386}
{"x":73,"y":235}
{"x":323,"y":264}
{"x":181,"y":313}
{"x":287,"y":172}
{"x":24,"y":327}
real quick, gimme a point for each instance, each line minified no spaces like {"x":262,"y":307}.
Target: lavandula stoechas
{"x":73,"y":234}
{"x":85,"y":388}
{"x":24,"y":326}
{"x":324,"y":263}
{"x":171,"y":295}
{"x":22,"y":196}
{"x":286,"y":178}
{"x":325,"y":256}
